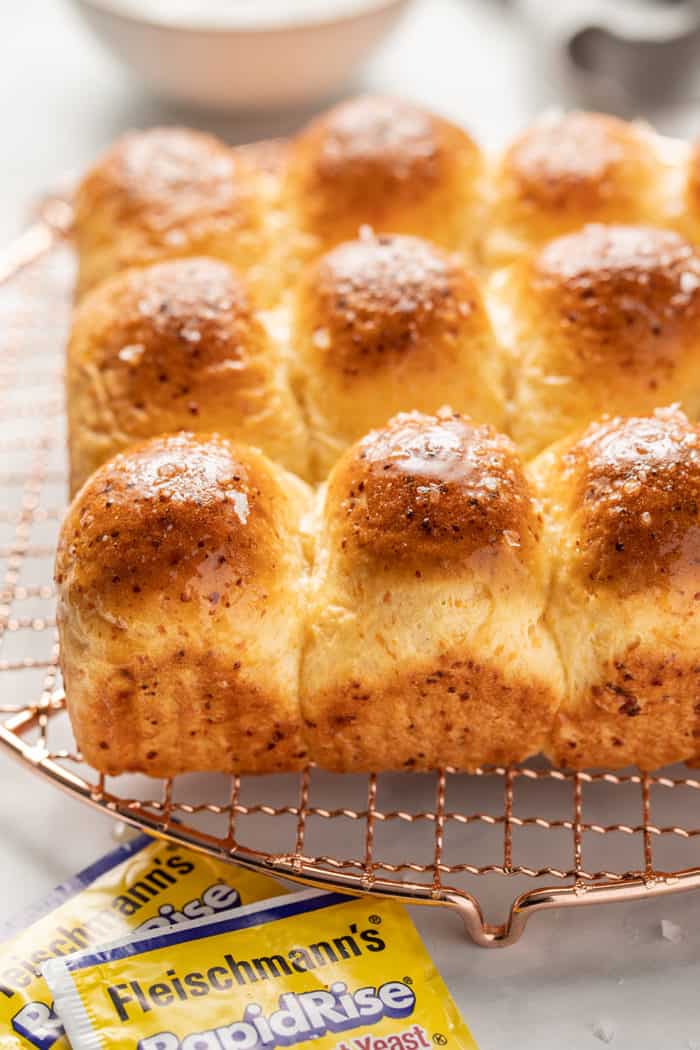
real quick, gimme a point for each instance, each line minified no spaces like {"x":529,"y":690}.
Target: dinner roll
{"x":388,"y":164}
{"x":603,"y":320}
{"x":387,"y":322}
{"x":173,"y":346}
{"x":426,"y":643}
{"x":622,"y":524}
{"x":571,"y":168}
{"x":164,"y":193}
{"x":180,"y":575}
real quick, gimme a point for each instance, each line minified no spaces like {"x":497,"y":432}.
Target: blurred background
{"x":73,"y":72}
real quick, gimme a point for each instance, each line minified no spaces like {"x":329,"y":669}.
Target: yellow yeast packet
{"x":146,"y":884}
{"x":344,"y":972}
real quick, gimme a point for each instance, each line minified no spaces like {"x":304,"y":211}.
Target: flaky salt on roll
{"x":568,"y":169}
{"x":387,"y":321}
{"x":622,"y":513}
{"x":180,"y":576}
{"x":175,"y":346}
{"x":387,"y":164}
{"x":603,"y":320}
{"x":164,"y":193}
{"x":426,"y":641}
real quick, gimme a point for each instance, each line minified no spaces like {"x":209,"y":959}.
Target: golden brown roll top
{"x":426,"y":646}
{"x":603,"y":320}
{"x":173,"y":346}
{"x":377,"y":162}
{"x":622,"y":513}
{"x":165,"y":193}
{"x":181,"y":577}
{"x":388,"y":164}
{"x":572,"y":168}
{"x":428,"y":492}
{"x":635,"y":487}
{"x":382,"y":323}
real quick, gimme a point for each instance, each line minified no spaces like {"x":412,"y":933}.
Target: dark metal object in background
{"x":627,"y":56}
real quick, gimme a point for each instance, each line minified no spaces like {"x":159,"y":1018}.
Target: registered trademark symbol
{"x":408,"y":980}
{"x":439,"y":1039}
{"x":376,"y":920}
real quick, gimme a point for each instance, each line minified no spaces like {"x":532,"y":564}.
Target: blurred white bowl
{"x":259,"y":60}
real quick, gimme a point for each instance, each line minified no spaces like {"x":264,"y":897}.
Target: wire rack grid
{"x":542,"y":837}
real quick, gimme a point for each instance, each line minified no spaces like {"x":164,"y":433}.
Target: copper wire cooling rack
{"x":519,"y":840}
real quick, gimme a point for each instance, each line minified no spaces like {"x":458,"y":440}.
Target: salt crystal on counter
{"x":122,"y":832}
{"x":604,"y":1030}
{"x":671,"y":931}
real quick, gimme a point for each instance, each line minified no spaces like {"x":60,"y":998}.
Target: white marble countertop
{"x":575,"y":978}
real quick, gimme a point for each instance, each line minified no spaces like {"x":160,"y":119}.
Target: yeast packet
{"x":144,"y":885}
{"x":345,"y":973}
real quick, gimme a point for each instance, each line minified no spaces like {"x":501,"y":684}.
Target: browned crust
{"x":159,"y":326}
{"x":174,"y":345}
{"x":374,"y":158}
{"x":573,"y":162}
{"x":191,"y":710}
{"x":634,"y":500}
{"x":175,"y":649}
{"x":163,"y":179}
{"x":165,"y":193}
{"x":154,"y":350}
{"x":452,"y":711}
{"x":431,"y":489}
{"x":628,"y":294}
{"x":172,"y":509}
{"x":377,"y":300}
{"x":643,"y":711}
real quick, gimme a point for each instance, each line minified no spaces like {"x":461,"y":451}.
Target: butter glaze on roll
{"x":387,"y":321}
{"x":388,"y":164}
{"x":622,"y":516}
{"x":180,"y":575}
{"x":603,"y":320}
{"x":426,"y":644}
{"x":572,"y":168}
{"x":165,"y":193}
{"x":174,"y":346}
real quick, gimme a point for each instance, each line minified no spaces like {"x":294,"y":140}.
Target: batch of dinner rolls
{"x":385,"y":452}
